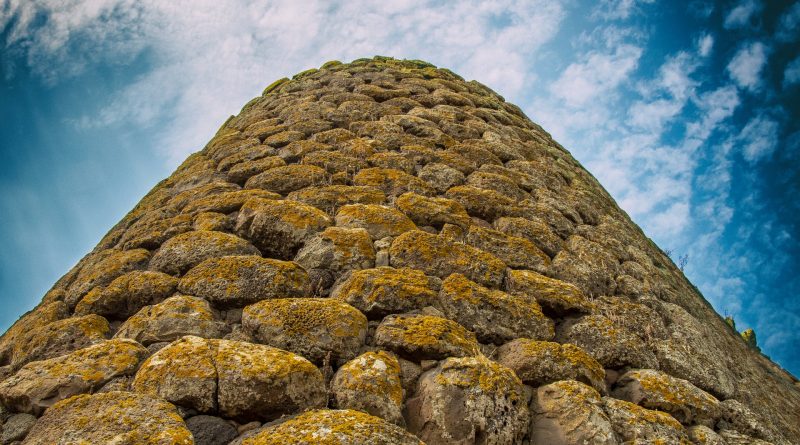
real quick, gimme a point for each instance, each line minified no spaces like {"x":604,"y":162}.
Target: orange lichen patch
{"x":58,"y":338}
{"x":335,"y":162}
{"x":485,"y":204}
{"x":298,"y":149}
{"x":431,"y":211}
{"x":194,"y":193}
{"x":481,"y":374}
{"x":386,"y":290}
{"x":379,"y":221}
{"x":311,"y":327}
{"x":240,"y":280}
{"x":425,"y":337}
{"x":40,"y":384}
{"x":172,"y":318}
{"x":392,"y":160}
{"x":392,"y":182}
{"x":278,"y":140}
{"x":243,"y":171}
{"x":338,"y":248}
{"x":440,"y":257}
{"x":371,"y":383}
{"x":630,"y":420}
{"x":331,"y":198}
{"x":515,"y":252}
{"x":184,"y":251}
{"x":540,"y":362}
{"x":127,"y":294}
{"x":112,"y":417}
{"x":555,"y":296}
{"x":334,"y":136}
{"x":40,"y":316}
{"x":154,"y":228}
{"x":245,"y":155}
{"x":333,"y":427}
{"x":286,"y":179}
{"x":109,"y":265}
{"x":279,"y":227}
{"x":212,"y":221}
{"x":657,"y":390}
{"x":493,"y":315}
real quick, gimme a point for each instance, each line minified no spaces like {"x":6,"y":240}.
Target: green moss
{"x":271,"y":87}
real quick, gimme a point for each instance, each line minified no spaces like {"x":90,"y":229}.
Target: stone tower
{"x":383,"y":253}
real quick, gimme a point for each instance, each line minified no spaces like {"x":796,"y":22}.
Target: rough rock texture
{"x":375,"y":208}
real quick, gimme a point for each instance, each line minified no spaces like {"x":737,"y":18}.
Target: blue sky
{"x":687,"y":112}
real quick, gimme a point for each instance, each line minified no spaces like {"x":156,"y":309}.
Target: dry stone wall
{"x":381,"y":252}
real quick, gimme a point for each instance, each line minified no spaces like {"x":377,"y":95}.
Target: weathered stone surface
{"x":736,"y":416}
{"x":227,"y":202}
{"x":392,"y":182}
{"x":441,"y":176}
{"x":59,"y":338}
{"x":420,"y":337}
{"x":111,"y":417}
{"x":656,"y":390}
{"x":210,"y":430}
{"x":440,"y":257}
{"x":127,"y":294}
{"x":587,"y":265}
{"x":236,"y":281}
{"x":468,"y":400}
{"x":286,"y":179}
{"x":311,"y":327}
{"x":517,"y":253}
{"x":495,"y":316}
{"x":485,"y":204}
{"x":40,"y":384}
{"x":370,"y":383}
{"x":611,"y":345}
{"x":703,"y":435}
{"x":184,"y":251}
{"x":279,"y":227}
{"x":534,"y":230}
{"x":238,"y":380}
{"x":732,"y":437}
{"x":104,"y":268}
{"x":332,"y":427}
{"x":172,"y":319}
{"x":569,"y":412}
{"x":554,"y":296}
{"x":633,"y":423}
{"x":432,"y":211}
{"x":540,"y":362}
{"x":338,"y":249}
{"x":386,"y":290}
{"x":379,"y":221}
{"x":40,"y":316}
{"x":16,"y":428}
{"x":331,"y":198}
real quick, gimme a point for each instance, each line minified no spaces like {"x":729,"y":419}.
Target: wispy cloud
{"x":746,"y":65}
{"x":759,"y":138}
{"x":618,"y":9}
{"x":789,"y":25}
{"x":705,"y":44}
{"x":741,"y":15}
{"x":791,"y":75}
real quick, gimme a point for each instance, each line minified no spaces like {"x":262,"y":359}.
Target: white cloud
{"x":705,"y":44}
{"x":759,"y":138}
{"x":740,"y":15}
{"x":210,"y":57}
{"x":746,"y":65}
{"x":618,"y":9}
{"x":791,"y":75}
{"x":788,"y":26}
{"x":599,"y":73}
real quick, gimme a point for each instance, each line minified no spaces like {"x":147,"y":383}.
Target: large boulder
{"x":332,"y":197}
{"x":440,"y":257}
{"x":40,"y":316}
{"x":370,"y":383}
{"x":432,"y":211}
{"x":171,"y":319}
{"x":331,"y":427}
{"x":610,"y":344}
{"x":425,"y":337}
{"x":554,"y":296}
{"x":386,"y":290}
{"x":657,"y":390}
{"x":633,"y":423}
{"x":539,"y":362}
{"x":182,"y":252}
{"x":127,"y":294}
{"x":286,"y":179}
{"x":392,"y":182}
{"x":279,"y":227}
{"x":338,"y":249}
{"x":38,"y":385}
{"x":468,"y":400}
{"x":102,"y":268}
{"x":569,"y":413}
{"x":494,"y":316}
{"x":311,"y":327}
{"x":379,"y":221}
{"x":517,"y":253}
{"x":236,"y":281}
{"x":238,"y":380}
{"x":59,"y":338}
{"x":111,"y":417}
